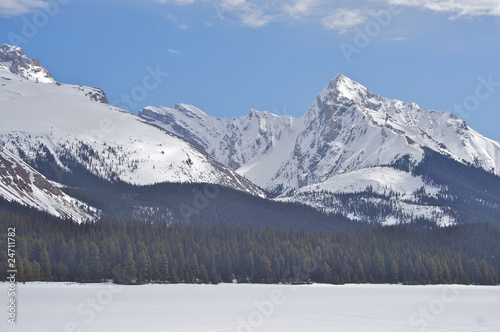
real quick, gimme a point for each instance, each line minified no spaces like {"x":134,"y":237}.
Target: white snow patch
{"x":230,"y":307}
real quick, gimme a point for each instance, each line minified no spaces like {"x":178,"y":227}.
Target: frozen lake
{"x":53,"y":307}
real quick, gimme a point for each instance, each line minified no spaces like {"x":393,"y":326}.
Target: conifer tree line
{"x":50,"y":249}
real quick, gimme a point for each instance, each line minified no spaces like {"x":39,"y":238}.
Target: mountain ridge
{"x":406,"y":123}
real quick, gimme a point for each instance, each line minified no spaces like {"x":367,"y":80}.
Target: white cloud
{"x":457,"y":8}
{"x":301,"y":8}
{"x":177,"y":2}
{"x":175,"y":52}
{"x":250,"y":13}
{"x":20,"y":7}
{"x":256,"y":19}
{"x":344,"y":19}
{"x":398,"y":38}
{"x":339,"y":15}
{"x":178,"y":23}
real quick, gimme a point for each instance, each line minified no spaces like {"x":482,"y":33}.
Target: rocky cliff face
{"x":13,"y":58}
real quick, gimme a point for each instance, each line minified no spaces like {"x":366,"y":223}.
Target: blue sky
{"x":228,"y":56}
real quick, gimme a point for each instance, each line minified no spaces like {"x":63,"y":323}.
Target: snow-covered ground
{"x":54,"y":307}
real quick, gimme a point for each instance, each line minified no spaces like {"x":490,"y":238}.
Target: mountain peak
{"x":341,"y":90}
{"x":14,"y":60}
{"x":339,"y":78}
{"x":343,"y":86}
{"x":6,"y":48}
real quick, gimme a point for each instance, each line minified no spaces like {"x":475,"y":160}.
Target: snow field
{"x":52,"y":307}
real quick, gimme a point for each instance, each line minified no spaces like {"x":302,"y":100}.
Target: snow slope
{"x":73,"y":123}
{"x":21,"y":183}
{"x":246,"y":307}
{"x":255,"y":145}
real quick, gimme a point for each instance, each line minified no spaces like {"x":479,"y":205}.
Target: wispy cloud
{"x":177,"y":2}
{"x":177,"y":22}
{"x":344,"y":19}
{"x":250,"y":13}
{"x":259,"y":13}
{"x":20,"y":7}
{"x":175,"y":52}
{"x":300,"y":8}
{"x":340,"y":16}
{"x":398,"y":38}
{"x":457,"y":8}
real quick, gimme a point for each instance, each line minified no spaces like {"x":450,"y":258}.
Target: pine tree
{"x":163,"y":267}
{"x":214,"y":276}
{"x":393,"y":271}
{"x":129,"y":271}
{"x":46,"y":265}
{"x":173,"y":277}
{"x":94,"y":264}
{"x":360,"y":272}
{"x":267,"y":275}
{"x":379,"y":267}
{"x":204,"y":278}
{"x":142,"y":264}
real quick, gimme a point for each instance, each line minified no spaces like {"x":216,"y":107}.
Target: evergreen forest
{"x":137,"y":252}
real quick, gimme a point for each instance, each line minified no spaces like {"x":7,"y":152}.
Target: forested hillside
{"x":51,"y":249}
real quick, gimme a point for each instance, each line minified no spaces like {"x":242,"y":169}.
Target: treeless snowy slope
{"x":246,"y":307}
{"x":380,"y":180}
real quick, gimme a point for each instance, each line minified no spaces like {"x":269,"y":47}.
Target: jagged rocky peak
{"x":335,"y":99}
{"x":342,"y":86}
{"x":13,"y":58}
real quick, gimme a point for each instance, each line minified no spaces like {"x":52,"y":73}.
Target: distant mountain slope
{"x":21,"y":183}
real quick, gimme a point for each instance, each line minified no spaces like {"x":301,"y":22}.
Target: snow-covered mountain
{"x":55,"y":127}
{"x":353,"y":153}
{"x":349,"y":141}
{"x":350,"y":128}
{"x":21,"y":183}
